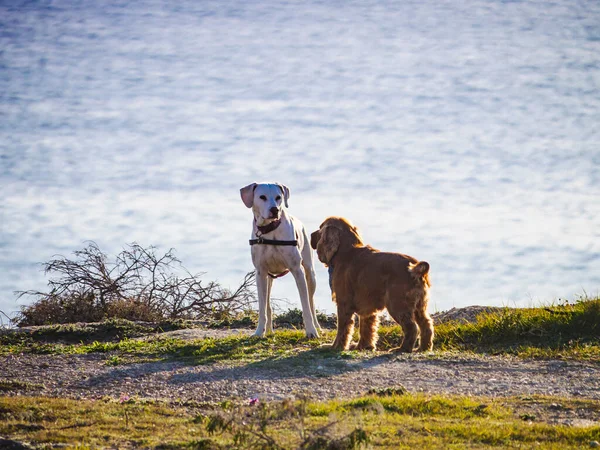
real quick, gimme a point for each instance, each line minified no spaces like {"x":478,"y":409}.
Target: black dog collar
{"x":263,"y":241}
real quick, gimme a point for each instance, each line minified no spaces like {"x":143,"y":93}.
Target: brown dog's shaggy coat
{"x":365,"y":281}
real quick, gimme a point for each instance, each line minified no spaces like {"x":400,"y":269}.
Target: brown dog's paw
{"x":332,"y":347}
{"x":401,"y":350}
{"x":339,"y":347}
{"x":361,"y":346}
{"x":326,"y":346}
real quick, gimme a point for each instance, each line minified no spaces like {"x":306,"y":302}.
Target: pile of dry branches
{"x":137,"y":285}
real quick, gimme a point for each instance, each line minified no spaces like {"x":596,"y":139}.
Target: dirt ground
{"x":310,"y":373}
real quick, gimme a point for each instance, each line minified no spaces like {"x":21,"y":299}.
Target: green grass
{"x":201,"y":351}
{"x":559,"y":331}
{"x":393,"y":421}
{"x":568,"y":330}
{"x":563,"y":331}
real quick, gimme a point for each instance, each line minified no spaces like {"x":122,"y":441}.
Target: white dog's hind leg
{"x":311,"y":278}
{"x":269,"y":326}
{"x":307,"y":314}
{"x":311,"y":283}
{"x":262,"y":287}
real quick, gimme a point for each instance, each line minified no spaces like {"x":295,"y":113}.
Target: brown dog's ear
{"x":247,"y":194}
{"x":314,"y":239}
{"x":328,"y":244}
{"x":420,"y":269}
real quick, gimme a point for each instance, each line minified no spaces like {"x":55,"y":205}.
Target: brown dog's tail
{"x":420,"y":271}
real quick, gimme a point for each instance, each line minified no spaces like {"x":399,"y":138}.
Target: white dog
{"x":279,"y":244}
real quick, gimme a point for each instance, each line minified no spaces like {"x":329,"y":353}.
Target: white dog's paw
{"x":312,"y":334}
{"x":259,"y":333}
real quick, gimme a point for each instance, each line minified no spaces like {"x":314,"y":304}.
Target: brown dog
{"x":365,"y":281}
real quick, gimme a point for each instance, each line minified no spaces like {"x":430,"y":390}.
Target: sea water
{"x":464,"y":133}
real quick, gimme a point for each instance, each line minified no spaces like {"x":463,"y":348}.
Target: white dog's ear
{"x":286,"y":193}
{"x":247,"y":194}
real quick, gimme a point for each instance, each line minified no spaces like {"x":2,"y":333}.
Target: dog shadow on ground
{"x":305,"y":368}
{"x":313,"y":363}
{"x":206,"y":361}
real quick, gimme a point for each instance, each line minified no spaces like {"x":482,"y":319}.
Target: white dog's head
{"x":266,"y":200}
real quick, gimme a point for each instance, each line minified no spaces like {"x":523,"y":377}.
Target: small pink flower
{"x":124,"y":398}
{"x":253,"y":401}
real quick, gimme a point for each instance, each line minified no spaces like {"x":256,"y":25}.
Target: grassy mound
{"x":568,"y":330}
{"x":571,"y":330}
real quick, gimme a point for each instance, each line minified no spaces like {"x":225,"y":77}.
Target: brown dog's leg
{"x":426,"y":325}
{"x":411,"y":332}
{"x":368,"y":332}
{"x":409,"y":327}
{"x":344,"y":329}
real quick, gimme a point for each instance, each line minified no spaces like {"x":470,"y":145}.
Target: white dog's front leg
{"x":262,"y":287}
{"x":307,"y":316}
